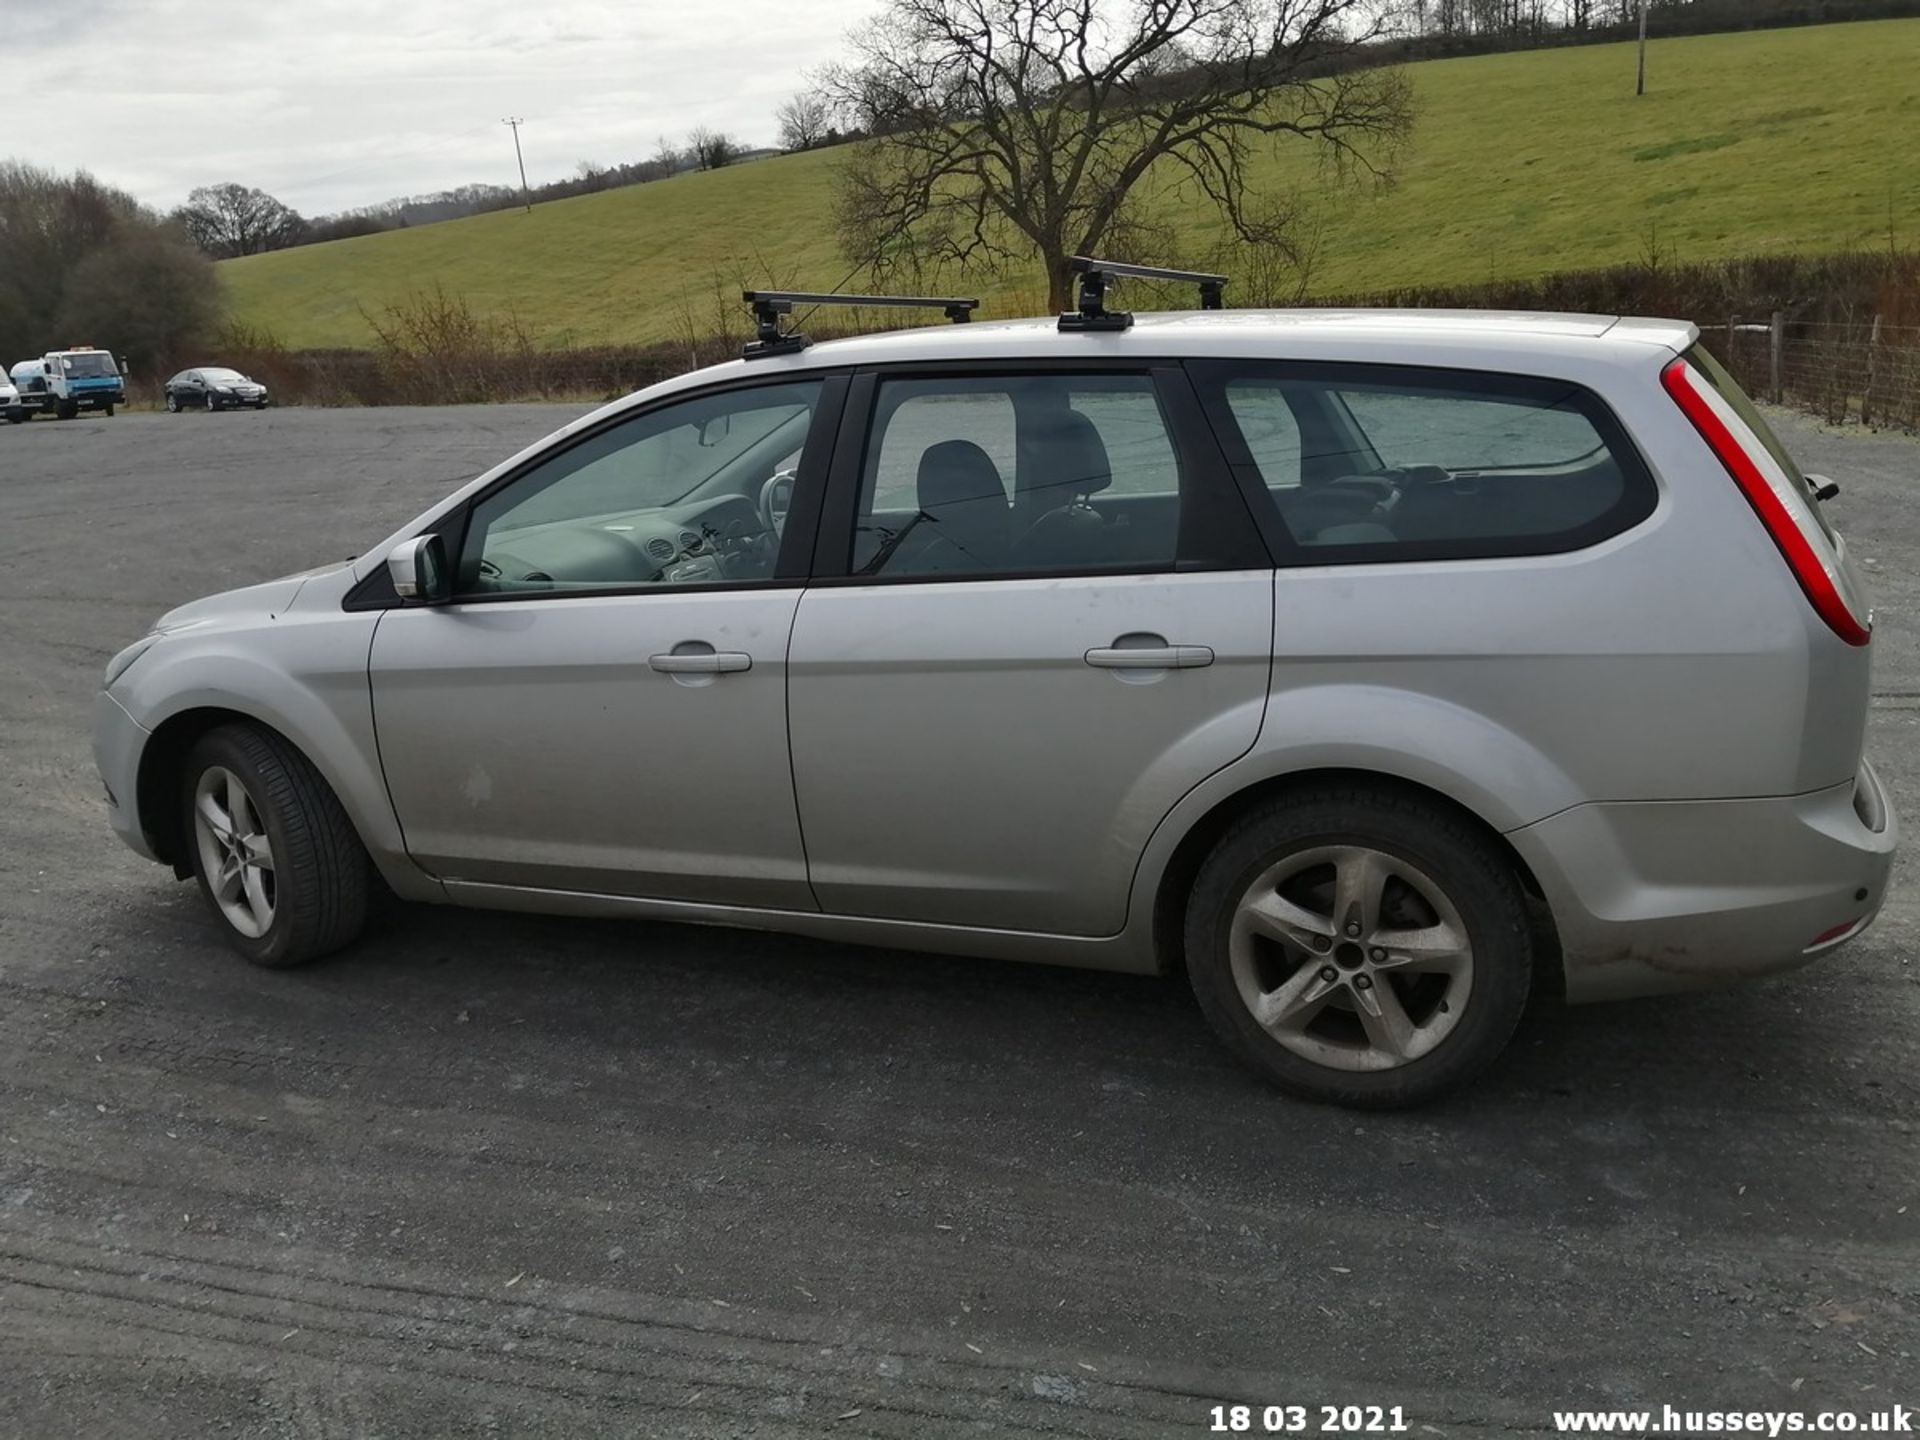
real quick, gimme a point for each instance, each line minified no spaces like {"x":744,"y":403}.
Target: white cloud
{"x":331,"y":104}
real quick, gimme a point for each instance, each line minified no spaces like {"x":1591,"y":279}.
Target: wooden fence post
{"x":1873,"y":373}
{"x":1778,"y":338}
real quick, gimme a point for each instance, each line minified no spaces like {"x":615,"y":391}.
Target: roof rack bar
{"x":770,"y":305}
{"x":1096,"y":275}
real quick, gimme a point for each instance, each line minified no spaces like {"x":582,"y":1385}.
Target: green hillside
{"x":1752,"y":143}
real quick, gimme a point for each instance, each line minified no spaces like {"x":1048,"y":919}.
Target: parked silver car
{"x":1378,"y":669}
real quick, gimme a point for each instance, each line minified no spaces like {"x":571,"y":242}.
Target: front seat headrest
{"x":958,"y":472}
{"x":1068,"y":457}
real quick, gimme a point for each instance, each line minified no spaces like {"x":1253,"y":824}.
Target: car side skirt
{"x":1121,"y":953}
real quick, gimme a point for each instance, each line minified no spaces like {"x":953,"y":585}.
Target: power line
{"x":516,"y":122}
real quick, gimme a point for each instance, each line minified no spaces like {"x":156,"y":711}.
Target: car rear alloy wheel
{"x":274,"y":852}
{"x":1351,"y":958}
{"x":235,"y":852}
{"x":173,"y":403}
{"x":1361,"y":946}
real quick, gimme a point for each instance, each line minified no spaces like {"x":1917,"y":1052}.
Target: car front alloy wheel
{"x":235,"y":852}
{"x":274,"y":852}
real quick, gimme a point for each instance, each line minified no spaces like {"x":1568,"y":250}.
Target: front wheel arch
{"x":162,"y":766}
{"x":1176,"y":879}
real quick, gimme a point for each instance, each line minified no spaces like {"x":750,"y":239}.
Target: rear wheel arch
{"x":1176,"y":879}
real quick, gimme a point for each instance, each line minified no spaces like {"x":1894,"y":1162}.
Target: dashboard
{"x":700,"y":542}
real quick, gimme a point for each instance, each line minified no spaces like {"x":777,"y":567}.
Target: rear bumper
{"x":1676,"y":895}
{"x":118,"y":742}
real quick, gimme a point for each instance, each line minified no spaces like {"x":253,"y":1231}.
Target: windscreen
{"x":89,"y":364}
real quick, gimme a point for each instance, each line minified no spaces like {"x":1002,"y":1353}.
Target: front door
{"x":1052,"y":619}
{"x":602,"y":706}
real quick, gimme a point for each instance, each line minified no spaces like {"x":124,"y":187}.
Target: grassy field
{"x":1756,"y":143}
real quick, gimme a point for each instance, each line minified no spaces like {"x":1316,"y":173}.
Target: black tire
{"x":321,"y":871}
{"x":173,"y":403}
{"x":1467,"y":867}
{"x":212,"y":404}
{"x":66,"y":410}
{"x":109,"y":412}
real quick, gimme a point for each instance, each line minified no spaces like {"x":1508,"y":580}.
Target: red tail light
{"x":1794,"y":545}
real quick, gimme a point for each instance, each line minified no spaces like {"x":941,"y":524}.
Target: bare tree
{"x":712,"y":149}
{"x":228,"y":220}
{"x":667,"y":159}
{"x":805,"y":121}
{"x":1007,"y":128}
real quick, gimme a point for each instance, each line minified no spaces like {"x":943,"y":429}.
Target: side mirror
{"x":419,"y":570}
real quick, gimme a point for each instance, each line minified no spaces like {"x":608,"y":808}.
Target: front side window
{"x":692,"y":493}
{"x":1018,"y":475}
{"x":1367,"y":462}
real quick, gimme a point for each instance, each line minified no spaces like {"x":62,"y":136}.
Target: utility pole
{"x":526,"y":196}
{"x":1640,"y":86}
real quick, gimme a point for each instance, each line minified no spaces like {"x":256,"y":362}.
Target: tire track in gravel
{"x":643,"y":1348}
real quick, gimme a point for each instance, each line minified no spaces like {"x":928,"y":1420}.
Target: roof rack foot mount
{"x":770,"y":305}
{"x":1097,"y":277}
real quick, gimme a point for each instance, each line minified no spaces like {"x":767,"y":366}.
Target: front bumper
{"x":118,"y":743}
{"x":1676,"y":895}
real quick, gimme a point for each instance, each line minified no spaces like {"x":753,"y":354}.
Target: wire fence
{"x":1865,"y":370}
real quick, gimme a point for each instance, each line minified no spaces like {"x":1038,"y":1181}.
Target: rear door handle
{"x":1155,"y":657}
{"x":721,"y":662}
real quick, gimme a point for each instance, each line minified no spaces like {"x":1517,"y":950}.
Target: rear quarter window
{"x":1372,"y":463}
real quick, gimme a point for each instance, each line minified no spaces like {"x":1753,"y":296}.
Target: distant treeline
{"x":1481,"y":27}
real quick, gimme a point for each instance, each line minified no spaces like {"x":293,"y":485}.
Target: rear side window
{"x":1027,"y":474}
{"x":1368,"y":463}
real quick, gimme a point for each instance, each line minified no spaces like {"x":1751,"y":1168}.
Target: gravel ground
{"x":499,"y":1175}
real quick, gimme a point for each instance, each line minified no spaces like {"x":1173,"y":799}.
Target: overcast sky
{"x":333,"y":104}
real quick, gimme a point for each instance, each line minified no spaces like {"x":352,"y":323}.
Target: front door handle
{"x":1151,"y":657}
{"x":708,"y":662}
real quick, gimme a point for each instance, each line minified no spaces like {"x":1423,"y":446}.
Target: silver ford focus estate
{"x":1377,"y":669}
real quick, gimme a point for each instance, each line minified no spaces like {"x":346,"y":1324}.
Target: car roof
{"x":1490,"y":339}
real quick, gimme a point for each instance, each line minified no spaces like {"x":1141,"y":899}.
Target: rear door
{"x":1040,"y":615}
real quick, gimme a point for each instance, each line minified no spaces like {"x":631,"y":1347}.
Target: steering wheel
{"x":773,"y":514}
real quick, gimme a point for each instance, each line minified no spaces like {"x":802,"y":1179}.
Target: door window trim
{"x":1217,"y":528}
{"x":1639,"y":496}
{"x":797,"y":539}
